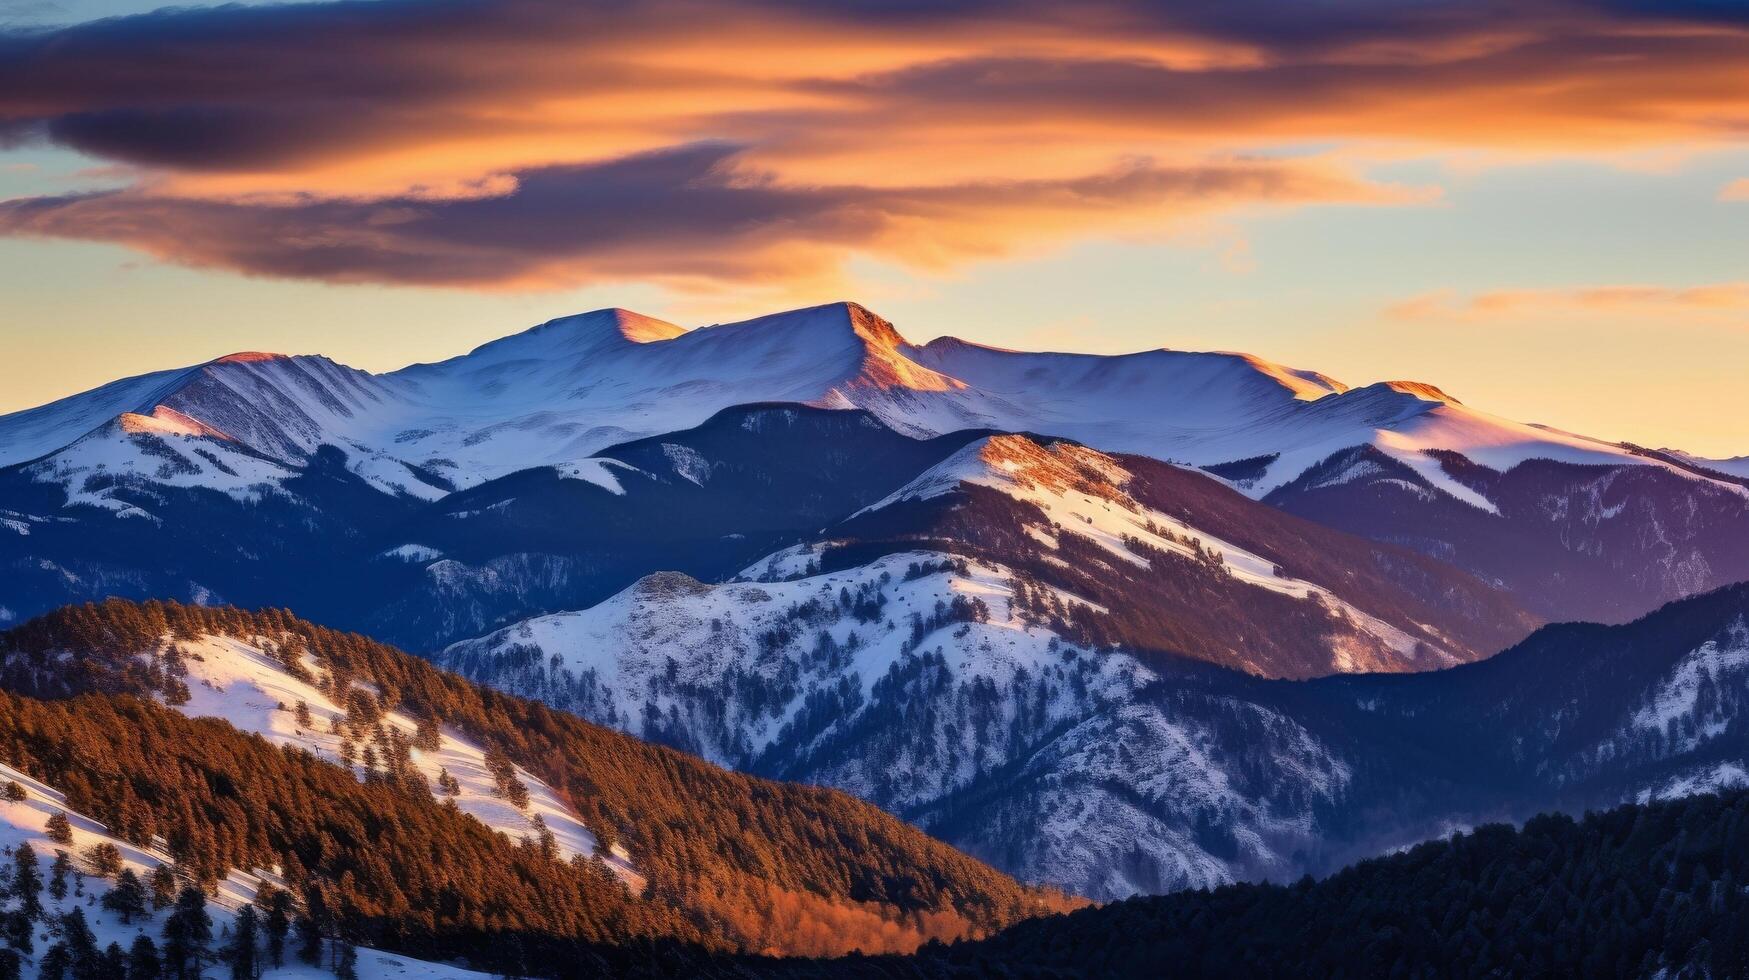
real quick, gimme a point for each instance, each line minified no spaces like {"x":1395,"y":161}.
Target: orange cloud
{"x":686,"y":217}
{"x":925,"y":115}
{"x":1721,"y":302}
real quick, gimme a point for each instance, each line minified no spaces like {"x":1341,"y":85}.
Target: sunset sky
{"x":1542,"y":207}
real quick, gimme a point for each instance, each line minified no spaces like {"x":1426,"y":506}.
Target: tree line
{"x":722,"y":852}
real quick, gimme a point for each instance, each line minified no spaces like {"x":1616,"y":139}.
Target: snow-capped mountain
{"x":1167,"y":560}
{"x":956,"y":693}
{"x":1583,"y":542}
{"x":260,"y":478}
{"x":570,"y":387}
{"x":704,"y":501}
{"x":549,"y":395}
{"x":919,"y":681}
{"x":1150,"y":555}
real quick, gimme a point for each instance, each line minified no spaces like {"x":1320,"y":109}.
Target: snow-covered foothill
{"x":1081,"y":490}
{"x":240,"y":683}
{"x":905,"y":681}
{"x":26,"y":822}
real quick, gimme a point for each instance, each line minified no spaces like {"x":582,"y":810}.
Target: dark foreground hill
{"x":1637,"y":891}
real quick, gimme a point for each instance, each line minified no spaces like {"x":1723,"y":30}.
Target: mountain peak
{"x":250,"y":357}
{"x":613,"y":322}
{"x":1421,"y":390}
{"x":834,"y":319}
{"x":578,"y":332}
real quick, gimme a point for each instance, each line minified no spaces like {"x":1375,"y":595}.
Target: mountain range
{"x":261,"y":479}
{"x":1108,"y":625}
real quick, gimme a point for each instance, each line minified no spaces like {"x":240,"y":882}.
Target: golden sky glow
{"x":716,"y":155}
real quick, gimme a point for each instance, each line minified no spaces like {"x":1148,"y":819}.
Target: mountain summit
{"x":1575,"y":526}
{"x":572,"y":386}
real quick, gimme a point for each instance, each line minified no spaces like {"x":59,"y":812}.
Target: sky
{"x":1541,"y":207}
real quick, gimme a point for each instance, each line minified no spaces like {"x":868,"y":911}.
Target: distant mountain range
{"x":569,"y":388}
{"x":264,"y":479}
{"x":1120,"y":624}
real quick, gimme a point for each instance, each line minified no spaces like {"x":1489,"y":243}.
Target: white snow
{"x":1706,"y":779}
{"x":687,"y":463}
{"x":1081,"y":490}
{"x":596,"y":471}
{"x":628,"y":640}
{"x":1735,"y":466}
{"x":112,"y":452}
{"x":553,"y":395}
{"x":1209,"y":408}
{"x":26,"y":822}
{"x":1719,"y":661}
{"x":241,"y":684}
{"x":413,"y":553}
{"x":1120,"y":775}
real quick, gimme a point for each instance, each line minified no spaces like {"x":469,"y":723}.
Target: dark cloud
{"x":680,"y":214}
{"x":312,"y":139}
{"x":247,"y":87}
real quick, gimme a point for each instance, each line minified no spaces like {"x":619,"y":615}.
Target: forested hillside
{"x":726,"y":860}
{"x":1637,"y":891}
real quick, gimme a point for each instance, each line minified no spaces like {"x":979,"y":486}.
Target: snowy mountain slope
{"x":1180,"y":565}
{"x":254,"y":691}
{"x":364,"y":769}
{"x":705,"y":500}
{"x":1208,"y":409}
{"x":1082,"y":491}
{"x":909,"y":682}
{"x":542,"y":466}
{"x":1601,"y":543}
{"x":239,"y":424}
{"x":1736,"y":466}
{"x":1112,"y":773}
{"x":251,"y":685}
{"x":25,"y":823}
{"x":563,"y":390}
{"x":550,"y":395}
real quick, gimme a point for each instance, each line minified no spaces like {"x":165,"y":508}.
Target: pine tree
{"x":276,"y":915}
{"x":60,"y":830}
{"x":546,"y":840}
{"x":113,"y":963}
{"x":429,"y":735}
{"x":20,"y":932}
{"x":81,"y":944}
{"x":13,"y":792}
{"x":187,"y":933}
{"x":11,"y":965}
{"x":104,"y":859}
{"x":143,"y":961}
{"x":309,"y":941}
{"x":240,"y":951}
{"x":27,"y":882}
{"x":58,"y":870}
{"x":163,"y":887}
{"x":346,"y":962}
{"x":56,"y":963}
{"x":128,"y":898}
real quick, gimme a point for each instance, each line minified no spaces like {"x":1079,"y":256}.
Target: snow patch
{"x":239,"y":683}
